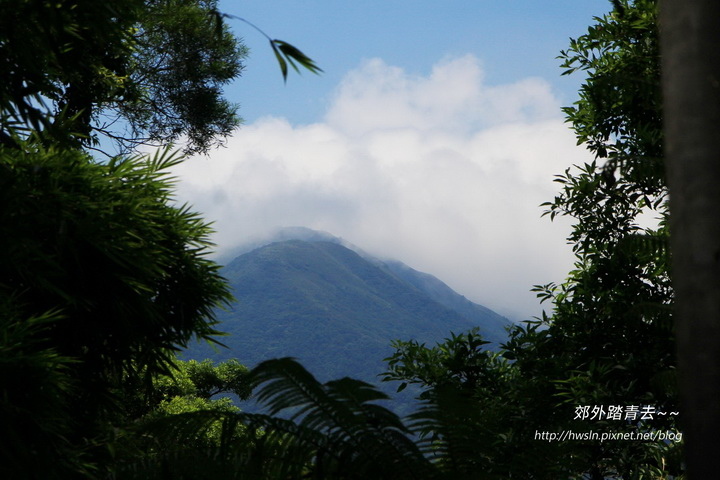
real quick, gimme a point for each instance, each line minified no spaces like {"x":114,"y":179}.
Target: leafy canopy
{"x":103,"y":276}
{"x":134,"y":71}
{"x":606,"y":342}
{"x":608,"y":339}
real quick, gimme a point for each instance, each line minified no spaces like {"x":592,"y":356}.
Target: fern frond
{"x":360,"y":437}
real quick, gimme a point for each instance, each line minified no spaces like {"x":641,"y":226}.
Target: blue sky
{"x":431,"y":137}
{"x":512,"y":38}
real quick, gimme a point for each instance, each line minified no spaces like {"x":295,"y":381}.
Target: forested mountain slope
{"x":335,"y":310}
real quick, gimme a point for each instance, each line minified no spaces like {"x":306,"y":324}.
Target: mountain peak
{"x":304,"y":234}
{"x":290,"y":290}
{"x":282,"y":234}
{"x":334,"y":309}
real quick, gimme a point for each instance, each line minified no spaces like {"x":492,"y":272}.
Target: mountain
{"x":492,"y":325}
{"x":294,"y":233}
{"x":335,"y":309}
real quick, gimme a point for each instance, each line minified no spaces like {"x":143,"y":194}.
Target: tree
{"x":35,"y":400}
{"x":155,"y":68}
{"x":99,"y":271}
{"x":191,"y":391}
{"x":614,"y":312}
{"x":183,"y":54}
{"x":102,"y":276}
{"x":52,"y":53}
{"x":116,"y":272}
{"x":608,"y":340}
{"x":478,"y":414}
{"x":612,"y":317}
{"x":331,"y":431}
{"x":186,"y":379}
{"x":691,"y":70}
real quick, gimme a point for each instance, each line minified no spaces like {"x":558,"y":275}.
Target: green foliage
{"x":35,"y":395}
{"x":203,"y":379}
{"x":619,"y":113}
{"x":209,"y":380}
{"x":116,"y":271}
{"x":196,"y":382}
{"x":285,"y":53}
{"x":102,"y":276}
{"x":293,"y":296}
{"x":608,"y":339}
{"x":181,"y":58}
{"x":211,"y":433}
{"x":58,"y":60}
{"x":479,"y":414}
{"x":156,"y":67}
{"x":353,"y":437}
{"x":179,"y":423}
{"x":107,"y":248}
{"x":334,"y":431}
{"x":461,"y":361}
{"x":614,"y":308}
{"x":288,"y":54}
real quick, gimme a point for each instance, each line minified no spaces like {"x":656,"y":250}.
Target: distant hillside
{"x":335,"y":310}
{"x":493,"y":324}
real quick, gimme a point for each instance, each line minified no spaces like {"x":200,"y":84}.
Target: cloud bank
{"x":441,"y":172}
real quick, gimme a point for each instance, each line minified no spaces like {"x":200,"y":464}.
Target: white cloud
{"x":442,"y":172}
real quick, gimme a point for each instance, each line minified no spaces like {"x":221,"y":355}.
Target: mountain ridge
{"x":335,"y":310}
{"x":426,"y":282}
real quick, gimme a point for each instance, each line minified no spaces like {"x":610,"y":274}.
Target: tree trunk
{"x":690,"y":47}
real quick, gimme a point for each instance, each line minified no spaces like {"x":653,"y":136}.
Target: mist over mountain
{"x":335,"y":308}
{"x":291,"y":233}
{"x":493,"y":323}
